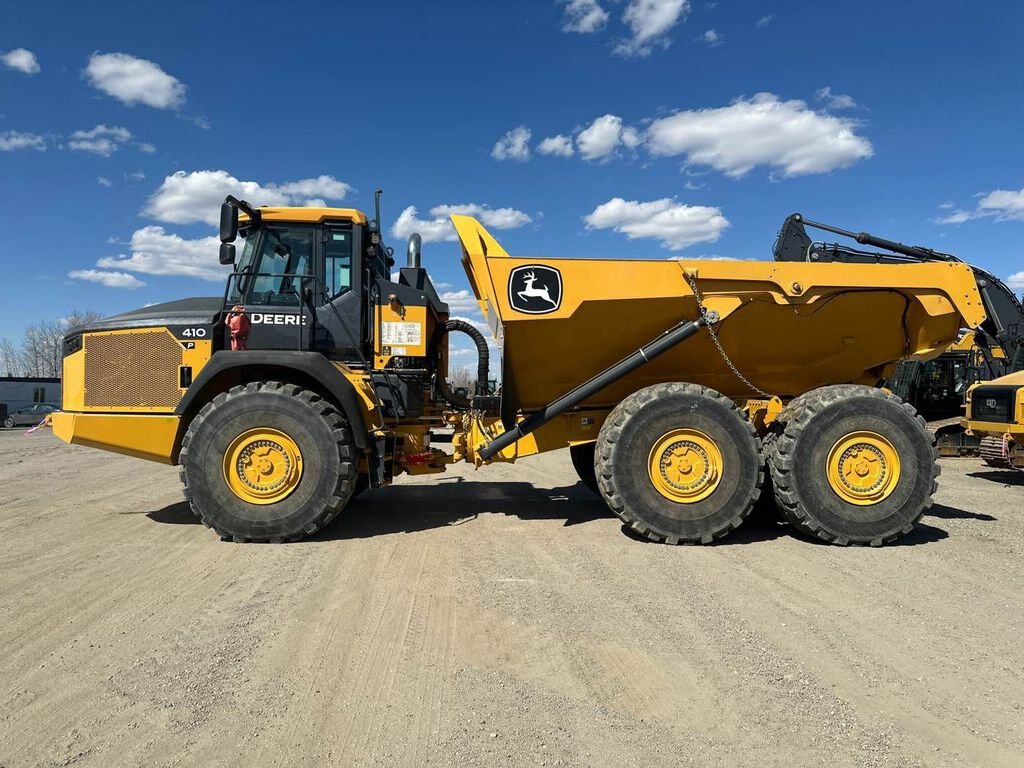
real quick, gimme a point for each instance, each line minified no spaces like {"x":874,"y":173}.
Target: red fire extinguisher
{"x":238,"y":323}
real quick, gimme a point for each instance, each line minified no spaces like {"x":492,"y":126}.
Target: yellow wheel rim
{"x":863,"y":468}
{"x":262,"y":466}
{"x":685,"y":466}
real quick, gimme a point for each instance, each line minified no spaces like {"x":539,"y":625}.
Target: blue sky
{"x":642,"y":128}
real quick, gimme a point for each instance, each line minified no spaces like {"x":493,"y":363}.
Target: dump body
{"x":789,"y":327}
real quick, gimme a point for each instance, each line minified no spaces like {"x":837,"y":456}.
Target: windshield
{"x":273,"y":260}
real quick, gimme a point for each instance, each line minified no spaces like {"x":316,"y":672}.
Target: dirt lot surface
{"x":498,"y":617}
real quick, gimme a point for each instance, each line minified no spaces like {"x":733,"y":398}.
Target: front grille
{"x":137,"y":369}
{"x":994,"y":404}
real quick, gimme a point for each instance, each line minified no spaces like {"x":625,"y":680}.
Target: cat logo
{"x":535,"y":289}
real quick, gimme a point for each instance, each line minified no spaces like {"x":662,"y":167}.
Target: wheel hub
{"x":685,"y":466}
{"x":863,"y":468}
{"x":262,"y":466}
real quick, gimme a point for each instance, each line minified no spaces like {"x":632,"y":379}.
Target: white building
{"x":19,"y":391}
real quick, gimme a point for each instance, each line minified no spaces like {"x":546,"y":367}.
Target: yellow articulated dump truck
{"x":678,"y":386}
{"x":995,"y":413}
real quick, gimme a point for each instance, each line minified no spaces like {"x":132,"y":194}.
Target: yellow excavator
{"x":678,"y":386}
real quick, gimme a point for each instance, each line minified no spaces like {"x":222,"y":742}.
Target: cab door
{"x":340,"y":330}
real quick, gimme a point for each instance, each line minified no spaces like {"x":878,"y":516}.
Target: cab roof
{"x":309,"y":215}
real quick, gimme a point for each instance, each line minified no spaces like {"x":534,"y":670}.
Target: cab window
{"x":285,"y":254}
{"x":338,"y":261}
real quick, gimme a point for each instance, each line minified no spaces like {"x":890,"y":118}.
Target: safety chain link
{"x":692,"y":280}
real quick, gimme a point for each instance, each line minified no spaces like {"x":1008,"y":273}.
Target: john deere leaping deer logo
{"x":535,"y":289}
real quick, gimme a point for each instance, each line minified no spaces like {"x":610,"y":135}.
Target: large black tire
{"x":633,"y":430}
{"x":807,"y":431}
{"x":582,"y":456}
{"x":318,"y":429}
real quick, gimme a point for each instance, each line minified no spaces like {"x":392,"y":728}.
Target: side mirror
{"x":227,"y":253}
{"x":228,"y":226}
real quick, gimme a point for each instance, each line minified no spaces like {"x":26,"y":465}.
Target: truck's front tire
{"x":679,"y":463}
{"x":268,"y":462}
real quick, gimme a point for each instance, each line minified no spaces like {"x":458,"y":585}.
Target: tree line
{"x":40,"y":353}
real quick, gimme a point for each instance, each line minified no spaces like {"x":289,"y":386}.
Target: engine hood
{"x":202,"y":310}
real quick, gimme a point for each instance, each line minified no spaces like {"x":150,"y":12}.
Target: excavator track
{"x":993,"y":452}
{"x":950,"y":438}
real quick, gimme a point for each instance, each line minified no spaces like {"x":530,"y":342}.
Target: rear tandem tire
{"x":678,"y":463}
{"x":582,"y":456}
{"x":872,"y":491}
{"x":319,"y":443}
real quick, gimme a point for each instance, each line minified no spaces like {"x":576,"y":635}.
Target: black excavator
{"x":936,"y":388}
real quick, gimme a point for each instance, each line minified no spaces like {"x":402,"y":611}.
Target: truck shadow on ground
{"x":1003,"y":476}
{"x":412,"y":508}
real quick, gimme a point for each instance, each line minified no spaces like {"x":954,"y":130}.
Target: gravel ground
{"x":495,"y":617}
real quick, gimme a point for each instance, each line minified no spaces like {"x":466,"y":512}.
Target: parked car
{"x":30,"y":415}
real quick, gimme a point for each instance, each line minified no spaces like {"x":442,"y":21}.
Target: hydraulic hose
{"x":483,"y":357}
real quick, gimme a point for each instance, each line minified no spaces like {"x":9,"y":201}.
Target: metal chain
{"x":692,"y":280}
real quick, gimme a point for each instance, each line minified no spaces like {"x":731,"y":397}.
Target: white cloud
{"x":676,"y":225}
{"x":103,"y":181}
{"x":21,"y":60}
{"x":319,"y":188}
{"x":956,"y":216}
{"x":713,"y":38}
{"x":603,"y":136}
{"x":102,"y":140}
{"x":156,"y":252}
{"x":584,"y":16}
{"x":1004,"y":204}
{"x":835,"y":100}
{"x":461,"y":301}
{"x":146,"y":148}
{"x":764,"y":21}
{"x":438,"y":228}
{"x":631,"y":138}
{"x":109,"y":279}
{"x":184,"y":198}
{"x":999,"y":204}
{"x":762,"y":130}
{"x":434,"y":230}
{"x":14,"y":140}
{"x":559,"y":145}
{"x":649,"y":22}
{"x":514,"y":145}
{"x":1016,"y":281}
{"x":131,"y":81}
